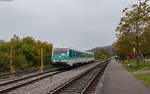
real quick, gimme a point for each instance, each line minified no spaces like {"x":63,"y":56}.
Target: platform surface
{"x":119,"y":81}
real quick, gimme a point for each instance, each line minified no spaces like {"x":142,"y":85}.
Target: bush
{"x":26,"y":54}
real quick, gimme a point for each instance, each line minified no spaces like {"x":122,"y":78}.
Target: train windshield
{"x":60,"y":53}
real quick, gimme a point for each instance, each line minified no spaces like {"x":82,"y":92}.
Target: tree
{"x":145,"y":44}
{"x":124,"y":44}
{"x":26,"y":53}
{"x":134,"y":22}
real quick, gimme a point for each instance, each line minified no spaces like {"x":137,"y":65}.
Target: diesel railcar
{"x":66,"y":57}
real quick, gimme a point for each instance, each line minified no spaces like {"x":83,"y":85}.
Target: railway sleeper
{"x":73,"y":86}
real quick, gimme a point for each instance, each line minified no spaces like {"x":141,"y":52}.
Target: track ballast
{"x":81,"y":83}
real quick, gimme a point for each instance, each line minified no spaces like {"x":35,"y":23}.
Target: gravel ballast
{"x":49,"y":84}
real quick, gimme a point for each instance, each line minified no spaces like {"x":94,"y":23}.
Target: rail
{"x":12,"y":85}
{"x":80,"y":83}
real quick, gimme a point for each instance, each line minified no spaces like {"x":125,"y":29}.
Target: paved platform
{"x":119,"y":81}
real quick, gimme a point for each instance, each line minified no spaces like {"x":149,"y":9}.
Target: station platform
{"x":119,"y":81}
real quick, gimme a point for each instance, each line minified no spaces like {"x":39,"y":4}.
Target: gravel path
{"x":47,"y":85}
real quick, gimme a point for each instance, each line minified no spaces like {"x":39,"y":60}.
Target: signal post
{"x":12,"y":70}
{"x":42,"y":59}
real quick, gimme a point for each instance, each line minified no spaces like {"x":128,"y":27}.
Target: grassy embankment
{"x":145,"y":78}
{"x":145,"y":66}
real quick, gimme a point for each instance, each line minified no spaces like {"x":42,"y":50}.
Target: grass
{"x":145,"y":66}
{"x":145,"y":78}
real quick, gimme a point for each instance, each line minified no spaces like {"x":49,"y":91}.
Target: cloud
{"x":79,"y":24}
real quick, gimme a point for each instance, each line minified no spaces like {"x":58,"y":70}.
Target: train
{"x":67,"y":57}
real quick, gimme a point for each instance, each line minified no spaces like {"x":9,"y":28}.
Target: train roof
{"x":75,"y":50}
{"x":60,"y":48}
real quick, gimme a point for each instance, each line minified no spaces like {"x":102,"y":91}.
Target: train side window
{"x":75,"y":54}
{"x":83,"y":55}
{"x":70,"y":53}
{"x":78,"y":54}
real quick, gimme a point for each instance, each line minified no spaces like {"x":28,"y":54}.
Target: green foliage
{"x":100,"y":56}
{"x":124,"y":44}
{"x":103,"y":52}
{"x":145,"y":48}
{"x":26,"y":54}
{"x":145,"y":78}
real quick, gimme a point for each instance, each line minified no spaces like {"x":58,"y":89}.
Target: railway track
{"x":14,"y":84}
{"x":81,"y":84}
{"x":4,"y":76}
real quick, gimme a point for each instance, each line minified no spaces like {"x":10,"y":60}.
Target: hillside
{"x":103,"y":52}
{"x":108,"y":48}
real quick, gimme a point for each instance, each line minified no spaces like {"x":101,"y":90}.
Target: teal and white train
{"x":66,"y":57}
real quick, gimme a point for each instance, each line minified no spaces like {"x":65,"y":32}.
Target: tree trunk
{"x":137,"y":50}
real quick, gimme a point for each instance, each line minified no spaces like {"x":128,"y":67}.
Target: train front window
{"x":60,"y":53}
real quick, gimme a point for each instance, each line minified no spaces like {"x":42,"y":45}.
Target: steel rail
{"x":16,"y":80}
{"x":74,"y":79}
{"x":20,"y":73}
{"x":91,"y":81}
{"x":17,"y":73}
{"x":28,"y":82}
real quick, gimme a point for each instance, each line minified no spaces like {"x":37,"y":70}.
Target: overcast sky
{"x":81,"y":24}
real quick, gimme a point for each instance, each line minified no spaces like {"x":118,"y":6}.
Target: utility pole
{"x":42,"y":58}
{"x":11,"y":60}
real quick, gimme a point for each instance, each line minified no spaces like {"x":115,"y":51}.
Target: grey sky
{"x":82,"y":24}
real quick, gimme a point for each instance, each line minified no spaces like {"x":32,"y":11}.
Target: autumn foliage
{"x":133,"y":31}
{"x":26,"y":54}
